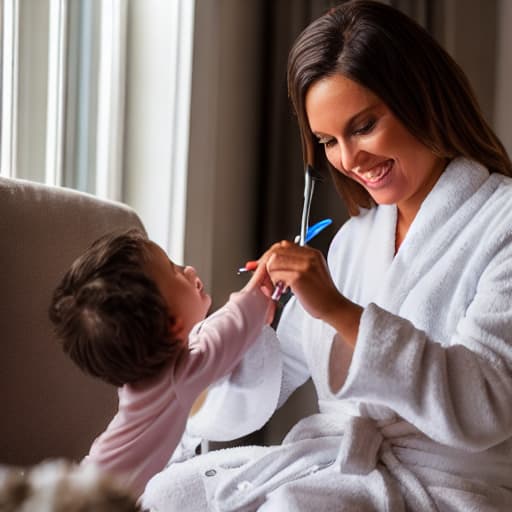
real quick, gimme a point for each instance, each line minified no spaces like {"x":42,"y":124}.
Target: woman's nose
{"x":348,"y":151}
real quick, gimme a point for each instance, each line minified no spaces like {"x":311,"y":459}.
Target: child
{"x":127,"y":314}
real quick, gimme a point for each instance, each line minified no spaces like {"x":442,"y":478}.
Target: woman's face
{"x":365,"y":141}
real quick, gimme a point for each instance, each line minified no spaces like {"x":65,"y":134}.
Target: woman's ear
{"x":175,"y":327}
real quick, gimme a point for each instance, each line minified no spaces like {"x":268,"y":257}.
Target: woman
{"x":407,"y":332}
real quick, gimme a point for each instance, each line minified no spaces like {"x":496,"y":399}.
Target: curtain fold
{"x":282,"y":172}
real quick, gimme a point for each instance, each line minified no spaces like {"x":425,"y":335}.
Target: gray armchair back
{"x":48,"y":408}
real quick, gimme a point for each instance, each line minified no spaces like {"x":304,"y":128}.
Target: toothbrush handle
{"x":278,"y":291}
{"x":309,"y":186}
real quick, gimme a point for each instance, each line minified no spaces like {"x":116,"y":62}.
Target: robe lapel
{"x":448,"y":208}
{"x":377,"y":253}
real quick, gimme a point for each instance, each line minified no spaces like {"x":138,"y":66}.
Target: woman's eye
{"x":328,"y":143}
{"x":366,"y":128}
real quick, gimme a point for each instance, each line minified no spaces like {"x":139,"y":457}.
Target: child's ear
{"x":175,"y":326}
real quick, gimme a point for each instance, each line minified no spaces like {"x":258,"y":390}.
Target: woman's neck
{"x":403,"y":223}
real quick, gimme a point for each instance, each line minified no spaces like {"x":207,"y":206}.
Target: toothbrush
{"x":310,"y":176}
{"x":311,"y":233}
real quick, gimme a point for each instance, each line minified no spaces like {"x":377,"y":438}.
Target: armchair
{"x":49,"y":408}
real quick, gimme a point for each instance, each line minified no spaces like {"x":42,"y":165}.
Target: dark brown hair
{"x":383,"y":50}
{"x":110,"y":316}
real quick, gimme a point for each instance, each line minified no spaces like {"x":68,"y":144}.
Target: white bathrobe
{"x":423,"y":420}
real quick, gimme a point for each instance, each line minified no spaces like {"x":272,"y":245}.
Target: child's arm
{"x":219,"y":342}
{"x":261,"y":280}
{"x":152,"y":416}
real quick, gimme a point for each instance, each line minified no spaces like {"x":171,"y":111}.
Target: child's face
{"x":181,"y":288}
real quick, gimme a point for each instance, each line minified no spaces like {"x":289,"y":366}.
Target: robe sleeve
{"x":459,"y":393}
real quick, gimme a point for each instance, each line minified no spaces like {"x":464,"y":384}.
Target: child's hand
{"x":260,"y":279}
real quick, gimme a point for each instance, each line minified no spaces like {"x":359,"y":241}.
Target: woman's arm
{"x":459,"y":392}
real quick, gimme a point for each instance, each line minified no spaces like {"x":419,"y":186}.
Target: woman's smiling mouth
{"x":375,"y":176}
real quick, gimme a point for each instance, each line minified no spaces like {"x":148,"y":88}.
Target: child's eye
{"x":366,"y":128}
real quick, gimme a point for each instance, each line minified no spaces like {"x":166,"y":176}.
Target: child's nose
{"x":194,"y":278}
{"x":189,"y":271}
{"x":191,"y":274}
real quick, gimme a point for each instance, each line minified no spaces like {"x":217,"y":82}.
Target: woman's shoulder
{"x":503,"y":191}
{"x":496,"y":212}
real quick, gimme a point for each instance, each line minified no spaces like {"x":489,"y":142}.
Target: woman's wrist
{"x":344,"y":316}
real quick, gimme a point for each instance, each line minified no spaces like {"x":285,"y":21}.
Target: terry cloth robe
{"x":423,"y":419}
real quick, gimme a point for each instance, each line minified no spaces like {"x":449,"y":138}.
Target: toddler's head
{"x":124,"y":310}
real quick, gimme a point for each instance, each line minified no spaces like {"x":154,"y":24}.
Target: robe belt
{"x":339,"y":442}
{"x":345,"y":444}
{"x":362,"y":440}
{"x":359,"y":447}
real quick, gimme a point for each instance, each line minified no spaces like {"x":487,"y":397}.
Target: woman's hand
{"x":305,"y":271}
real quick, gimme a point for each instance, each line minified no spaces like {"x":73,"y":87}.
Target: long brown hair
{"x":386,"y":52}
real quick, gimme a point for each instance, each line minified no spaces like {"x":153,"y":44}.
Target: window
{"x":96,"y":97}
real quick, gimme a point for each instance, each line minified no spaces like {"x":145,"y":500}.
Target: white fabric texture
{"x":237,"y":396}
{"x":423,"y":421}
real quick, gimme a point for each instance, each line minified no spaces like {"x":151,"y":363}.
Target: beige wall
{"x":224,"y":134}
